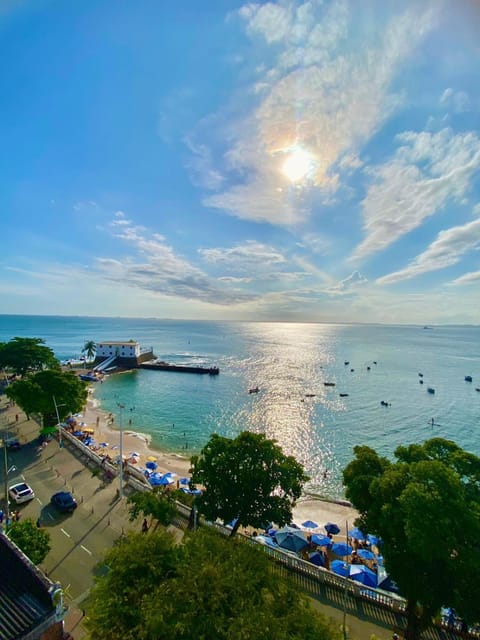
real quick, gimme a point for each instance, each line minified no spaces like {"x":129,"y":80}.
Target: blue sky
{"x":290,"y":161}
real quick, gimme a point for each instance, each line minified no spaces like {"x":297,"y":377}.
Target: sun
{"x":298,"y":165}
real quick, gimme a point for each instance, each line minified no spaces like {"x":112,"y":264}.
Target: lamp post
{"x":344,"y":625}
{"x":6,"y":472}
{"x":121,"y":407}
{"x":58,"y":421}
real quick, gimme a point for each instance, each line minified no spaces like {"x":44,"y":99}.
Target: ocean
{"x":289,"y":363}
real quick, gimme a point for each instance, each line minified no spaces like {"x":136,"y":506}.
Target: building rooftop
{"x":25,"y":600}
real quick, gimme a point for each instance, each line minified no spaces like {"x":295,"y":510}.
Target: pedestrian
{"x":2,"y":516}
{"x":16,"y":417}
{"x":144,"y":526}
{"x":39,"y":524}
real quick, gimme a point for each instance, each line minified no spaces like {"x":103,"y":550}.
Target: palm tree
{"x":89,"y":349}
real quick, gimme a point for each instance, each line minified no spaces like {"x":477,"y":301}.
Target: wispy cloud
{"x":467,"y":279}
{"x":445,"y":251}
{"x":326,"y":91}
{"x":457,"y":101}
{"x":251,"y":254}
{"x":427,"y":171}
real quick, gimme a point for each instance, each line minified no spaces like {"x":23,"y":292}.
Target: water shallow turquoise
{"x":288,"y":362}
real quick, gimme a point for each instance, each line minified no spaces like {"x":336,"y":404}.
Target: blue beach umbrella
{"x":292,"y":539}
{"x":184,"y":481}
{"x":271,"y":532}
{"x":332,"y":528}
{"x":317,"y":558}
{"x":364,"y":575}
{"x":340,"y":568}
{"x":321,"y":541}
{"x":78,"y":433}
{"x":151,"y":465}
{"x":342,"y":549}
{"x":103,"y":444}
{"x":365,"y":554}
{"x":310,"y":524}
{"x":374,"y":539}
{"x":356,"y":533}
{"x":266,"y":540}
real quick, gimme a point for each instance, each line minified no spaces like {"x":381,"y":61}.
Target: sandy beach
{"x":307,"y":508}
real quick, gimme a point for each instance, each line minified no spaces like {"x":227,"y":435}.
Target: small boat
{"x":344,"y":395}
{"x":309,"y":395}
{"x":352,"y":370}
{"x":346,"y":362}
{"x":477,"y":388}
{"x":253,"y":390}
{"x":421,"y":375}
{"x":329,"y":384}
{"x":88,"y":378}
{"x":421,"y":381}
{"x":368,"y":368}
{"x":384,"y":403}
{"x":468,"y":378}
{"x":430,"y":390}
{"x":374,"y":362}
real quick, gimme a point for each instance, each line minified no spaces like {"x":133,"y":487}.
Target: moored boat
{"x":468,"y":378}
{"x":430,"y":390}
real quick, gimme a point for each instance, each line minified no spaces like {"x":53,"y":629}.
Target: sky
{"x":312,"y":161}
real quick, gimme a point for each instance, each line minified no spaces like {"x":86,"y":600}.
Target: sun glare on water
{"x":298,"y":165}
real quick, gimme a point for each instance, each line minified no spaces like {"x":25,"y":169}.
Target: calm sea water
{"x":287,"y":362}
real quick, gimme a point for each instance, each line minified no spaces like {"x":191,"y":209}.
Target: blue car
{"x":64,"y":501}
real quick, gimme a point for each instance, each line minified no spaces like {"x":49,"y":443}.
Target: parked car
{"x":12,"y":443}
{"x":21,"y":492}
{"x":64,"y":501}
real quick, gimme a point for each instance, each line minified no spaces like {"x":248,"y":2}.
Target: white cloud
{"x":427,"y":171}
{"x":457,"y":101}
{"x":468,"y":278}
{"x":445,"y":251}
{"x":252,"y":254}
{"x":201,"y":166}
{"x":329,"y":92}
{"x":348,"y":284}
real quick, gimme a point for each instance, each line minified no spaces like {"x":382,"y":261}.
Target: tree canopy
{"x":34,"y":542}
{"x":426,"y":508}
{"x":248,"y":479}
{"x":155,"y":504}
{"x":89,"y":349}
{"x":208,"y":588}
{"x":21,"y":355}
{"x":35,"y":393}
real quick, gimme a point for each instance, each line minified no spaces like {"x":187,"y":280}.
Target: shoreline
{"x":309,"y":506}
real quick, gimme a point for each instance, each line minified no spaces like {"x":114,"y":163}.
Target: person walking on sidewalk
{"x":144,"y":526}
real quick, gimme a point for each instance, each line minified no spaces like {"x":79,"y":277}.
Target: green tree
{"x":35,"y":392}
{"x":426,"y":507}
{"x":137,"y":565}
{"x":34,"y":542}
{"x":249,"y":479}
{"x":155,"y":504}
{"x":23,"y":355}
{"x":208,"y":588}
{"x":89,"y":349}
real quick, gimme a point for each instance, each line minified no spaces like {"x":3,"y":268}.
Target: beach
{"x":105,"y":431}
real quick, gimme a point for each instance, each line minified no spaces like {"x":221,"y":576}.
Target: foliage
{"x":22,"y":355}
{"x":426,"y":507}
{"x":249,"y":479}
{"x":34,"y":542}
{"x":138,"y":565}
{"x":210,"y":588}
{"x":35,"y":393}
{"x":156,"y":504}
{"x":89,"y":349}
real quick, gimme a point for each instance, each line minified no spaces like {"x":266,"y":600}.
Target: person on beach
{"x":144,"y":526}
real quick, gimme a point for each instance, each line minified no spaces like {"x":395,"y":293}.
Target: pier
{"x":180,"y":368}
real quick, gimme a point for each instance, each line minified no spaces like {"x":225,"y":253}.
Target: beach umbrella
{"x":134,"y":454}
{"x":317,"y":558}
{"x":152,"y":458}
{"x":103,"y":444}
{"x":374,"y":539}
{"x":356,"y":533}
{"x":291,"y":539}
{"x":158,"y":479}
{"x":265,"y":540}
{"x":342,"y":549}
{"x":78,"y":433}
{"x":340,"y":568}
{"x":321,"y":541}
{"x":184,"y":481}
{"x":366,"y":554}
{"x":151,"y":465}
{"x":195,"y":492}
{"x":271,"y":532}
{"x":332,"y":528}
{"x":364,"y":575}
{"x":310,"y":524}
